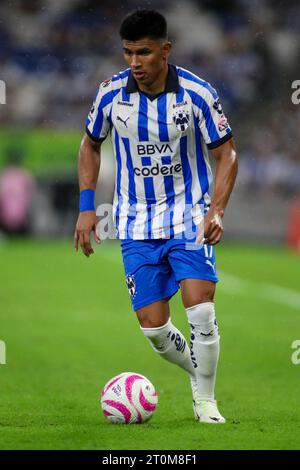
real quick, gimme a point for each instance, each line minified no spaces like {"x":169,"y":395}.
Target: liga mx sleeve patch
{"x":106,"y":83}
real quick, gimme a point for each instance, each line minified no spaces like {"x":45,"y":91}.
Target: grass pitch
{"x":68,"y":328}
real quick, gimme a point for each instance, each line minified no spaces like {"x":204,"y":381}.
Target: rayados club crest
{"x":131,"y":285}
{"x":181,"y":119}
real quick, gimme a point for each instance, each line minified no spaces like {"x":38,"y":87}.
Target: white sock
{"x":170,"y":344}
{"x":205,"y":346}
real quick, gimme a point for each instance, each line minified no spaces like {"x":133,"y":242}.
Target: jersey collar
{"x":172,"y":83}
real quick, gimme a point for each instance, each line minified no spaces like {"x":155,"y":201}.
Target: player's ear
{"x":166,"y":49}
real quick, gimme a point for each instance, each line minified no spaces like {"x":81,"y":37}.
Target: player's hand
{"x":86,"y":223}
{"x":211,"y":230}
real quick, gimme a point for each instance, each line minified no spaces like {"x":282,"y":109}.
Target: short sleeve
{"x":97,"y":123}
{"x":213,"y":123}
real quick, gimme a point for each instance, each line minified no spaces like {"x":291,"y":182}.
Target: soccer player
{"x":162,"y":120}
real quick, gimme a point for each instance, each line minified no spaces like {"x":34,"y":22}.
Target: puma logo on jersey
{"x":212,"y":265}
{"x":124,"y":122}
{"x":207,"y":334}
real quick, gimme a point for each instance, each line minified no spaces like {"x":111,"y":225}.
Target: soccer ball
{"x":128,"y":398}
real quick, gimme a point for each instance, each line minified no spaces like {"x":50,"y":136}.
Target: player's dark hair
{"x":143,"y":23}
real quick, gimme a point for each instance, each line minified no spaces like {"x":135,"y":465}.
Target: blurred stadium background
{"x":54,"y":54}
{"x":55,"y":317}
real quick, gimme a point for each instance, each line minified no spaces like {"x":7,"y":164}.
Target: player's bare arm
{"x":226,"y":172}
{"x":88,"y":170}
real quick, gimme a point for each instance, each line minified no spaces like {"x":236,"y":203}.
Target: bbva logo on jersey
{"x":181,"y":119}
{"x":151,"y":149}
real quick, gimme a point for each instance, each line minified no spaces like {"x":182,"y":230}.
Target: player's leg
{"x":164,"y":337}
{"x":196,"y":272}
{"x":198,"y":299}
{"x":151,"y":283}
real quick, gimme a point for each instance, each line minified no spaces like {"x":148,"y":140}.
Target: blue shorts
{"x":154,"y":268}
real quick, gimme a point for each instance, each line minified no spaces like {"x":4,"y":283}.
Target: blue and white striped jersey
{"x":163,"y":175}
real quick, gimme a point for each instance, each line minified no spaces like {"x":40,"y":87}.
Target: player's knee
{"x":152,"y":322}
{"x":206,"y":295}
{"x":153,"y":317}
{"x":198,"y":294}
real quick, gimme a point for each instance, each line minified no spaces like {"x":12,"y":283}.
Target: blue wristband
{"x":86,"y":200}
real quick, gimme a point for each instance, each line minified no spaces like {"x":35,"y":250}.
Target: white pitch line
{"x":278,"y":294}
{"x":282,"y":295}
{"x":235,"y":285}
